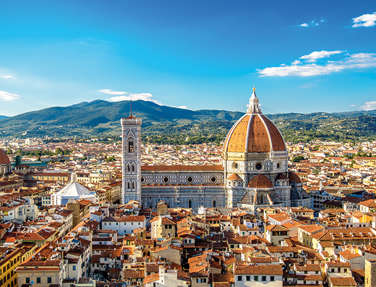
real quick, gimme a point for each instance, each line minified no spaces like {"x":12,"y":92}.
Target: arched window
{"x":128,"y":167}
{"x":133,"y":185}
{"x":130,"y":145}
{"x":132,"y":168}
{"x":129,"y":185}
{"x":189,"y":203}
{"x":214,"y":203}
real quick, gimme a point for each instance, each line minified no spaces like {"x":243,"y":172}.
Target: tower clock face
{"x":258,"y":166}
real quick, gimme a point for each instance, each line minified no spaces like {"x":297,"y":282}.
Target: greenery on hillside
{"x":162,"y":124}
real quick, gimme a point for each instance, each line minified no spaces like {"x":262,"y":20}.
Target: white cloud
{"x":111,"y":92}
{"x":354,"y":61}
{"x":119,"y":98}
{"x":135,"y":97}
{"x":7,"y":77}
{"x":365,"y":20}
{"x":296,"y":62}
{"x":313,"y":23}
{"x":319,"y":55}
{"x":299,"y":70}
{"x":368,"y":106}
{"x":8,"y":97}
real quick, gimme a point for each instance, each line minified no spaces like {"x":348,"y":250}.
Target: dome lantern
{"x":254,"y":106}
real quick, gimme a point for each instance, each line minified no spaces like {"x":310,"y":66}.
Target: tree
{"x":298,"y":158}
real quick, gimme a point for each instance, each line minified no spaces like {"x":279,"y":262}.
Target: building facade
{"x":254,"y":172}
{"x":5,"y":165}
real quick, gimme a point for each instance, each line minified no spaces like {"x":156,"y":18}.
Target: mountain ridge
{"x":102,"y":118}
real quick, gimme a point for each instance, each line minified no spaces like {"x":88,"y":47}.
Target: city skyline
{"x":301,"y":57}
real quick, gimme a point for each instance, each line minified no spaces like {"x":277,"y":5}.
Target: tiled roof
{"x":313,"y":228}
{"x":131,"y":218}
{"x":276,"y":228}
{"x":133,"y":274}
{"x":282,"y":216}
{"x":260,"y":181}
{"x":234,"y":177}
{"x":370,"y":203}
{"x":4,"y":159}
{"x":338,"y":264}
{"x":342,"y":281}
{"x":269,"y":269}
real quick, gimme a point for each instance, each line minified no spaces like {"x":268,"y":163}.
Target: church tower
{"x":131,"y":159}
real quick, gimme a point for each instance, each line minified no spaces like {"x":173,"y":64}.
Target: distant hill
{"x":174,"y":125}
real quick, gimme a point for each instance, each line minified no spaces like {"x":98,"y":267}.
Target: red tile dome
{"x":254,"y":133}
{"x":260,"y":181}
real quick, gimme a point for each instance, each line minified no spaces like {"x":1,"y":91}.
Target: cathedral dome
{"x":4,"y":159}
{"x":254,"y":132}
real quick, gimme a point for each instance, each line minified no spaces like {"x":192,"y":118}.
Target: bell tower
{"x":131,"y":159}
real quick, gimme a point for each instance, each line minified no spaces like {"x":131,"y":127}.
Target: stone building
{"x":370,"y":273}
{"x":254,"y":172}
{"x":5,"y":165}
{"x":72,"y":191}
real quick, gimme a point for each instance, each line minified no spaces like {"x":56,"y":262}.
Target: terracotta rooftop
{"x":234,"y":177}
{"x":260,"y":181}
{"x":342,"y":281}
{"x":370,"y":203}
{"x":4,"y":159}
{"x":268,"y":269}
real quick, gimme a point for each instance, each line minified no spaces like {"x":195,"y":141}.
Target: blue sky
{"x":302,"y":56}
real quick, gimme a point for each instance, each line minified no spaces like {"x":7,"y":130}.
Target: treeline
{"x":39,"y":153}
